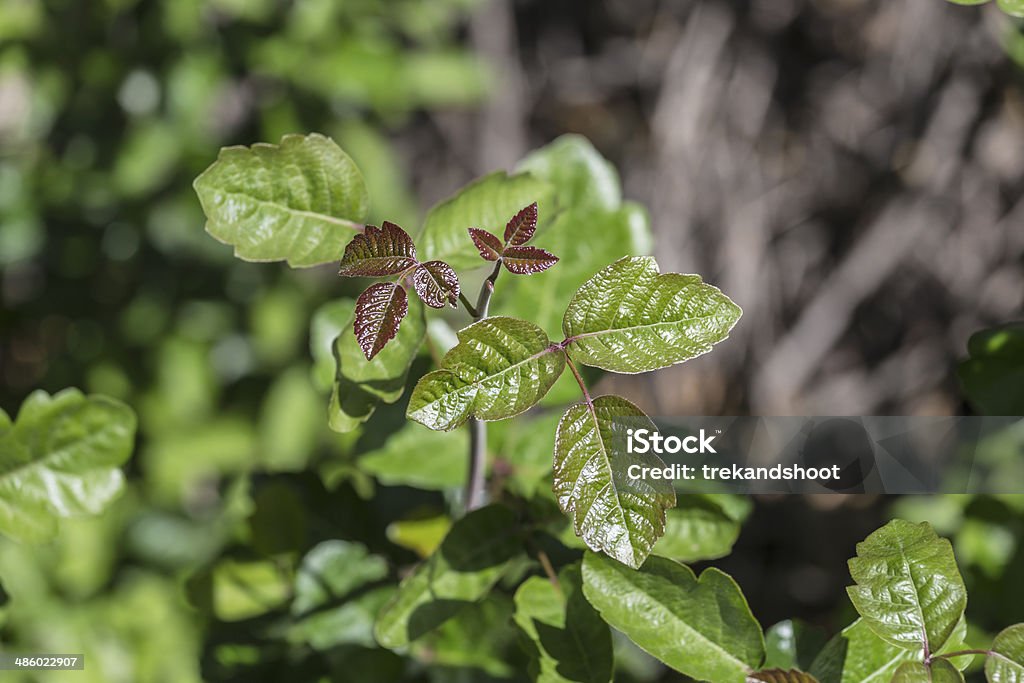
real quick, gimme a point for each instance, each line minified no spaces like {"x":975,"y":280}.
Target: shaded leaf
{"x":938,"y":671}
{"x":1007,"y":665}
{"x":377,"y":252}
{"x":471,"y":559}
{"x":61,"y":457}
{"x":401,"y":461}
{"x":527,"y":260}
{"x":379,"y":312}
{"x":500,"y":368}
{"x":476,"y":644}
{"x":521,"y":227}
{"x":629,"y":318}
{"x":486,"y":203}
{"x":361,"y":384}
{"x":700,"y":627}
{"x":335,"y":600}
{"x":437,"y":284}
{"x":993,"y":376}
{"x":697,"y":529}
{"x":792,"y":644}
{"x":301,"y":201}
{"x":489,"y":246}
{"x":909,"y":590}
{"x":610,"y":512}
{"x":569,"y":640}
{"x":780,"y":676}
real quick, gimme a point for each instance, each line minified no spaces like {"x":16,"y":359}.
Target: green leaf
{"x":938,"y":671}
{"x":697,"y":529}
{"x":1007,"y":665}
{"x":909,"y":590}
{"x":335,"y":598}
{"x":858,"y":655}
{"x":780,"y":676}
{"x":629,"y":318}
{"x":700,"y":627}
{"x":501,"y":367}
{"x":581,"y":176}
{"x":359,"y":384}
{"x":233,"y":590}
{"x":471,"y":559}
{"x":610,"y":512}
{"x":570,"y":642}
{"x":486,"y":203}
{"x":792,"y":644}
{"x":993,"y":376}
{"x":61,"y":458}
{"x":475,"y":645}
{"x":301,"y":201}
{"x":401,"y":461}
{"x":422,"y":535}
{"x":1014,"y":8}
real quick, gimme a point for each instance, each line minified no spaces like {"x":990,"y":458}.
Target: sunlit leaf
{"x":379,"y":312}
{"x":61,"y":457}
{"x":301,"y":201}
{"x":401,"y":460}
{"x":527,"y":260}
{"x":1007,"y":665}
{"x":521,"y":227}
{"x":377,"y":252}
{"x":471,"y":559}
{"x":437,"y":284}
{"x":500,"y":368}
{"x":420,"y":535}
{"x":233,"y":590}
{"x":630,"y":318}
{"x":610,"y":512}
{"x":909,"y":590}
{"x":700,"y":627}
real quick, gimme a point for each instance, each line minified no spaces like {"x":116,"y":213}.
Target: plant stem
{"x":476,"y":486}
{"x":964,"y":653}
{"x":579,"y":380}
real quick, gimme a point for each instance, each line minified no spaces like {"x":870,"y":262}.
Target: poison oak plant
{"x":577,"y":299}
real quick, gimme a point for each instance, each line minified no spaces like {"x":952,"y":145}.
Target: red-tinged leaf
{"x":487,"y":244}
{"x":377,"y":252}
{"x":379,"y":312}
{"x":522,"y":226}
{"x":436,"y":283}
{"x":528,"y":260}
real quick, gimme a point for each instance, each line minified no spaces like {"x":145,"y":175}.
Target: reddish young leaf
{"x":436,"y":283}
{"x":379,"y":312}
{"x":487,"y":244}
{"x":522,"y":226}
{"x":387,"y":250}
{"x":528,"y":260}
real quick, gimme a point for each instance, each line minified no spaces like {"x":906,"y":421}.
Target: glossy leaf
{"x":611,"y":512}
{"x":700,"y":627}
{"x":780,"y":676}
{"x":437,"y":284}
{"x":61,"y":457}
{"x":401,"y":462}
{"x":527,"y":260}
{"x":521,"y":227}
{"x":858,"y":655}
{"x":500,"y":368}
{"x":629,"y":318}
{"x":697,"y":529}
{"x":379,"y":312}
{"x":301,"y":201}
{"x":473,"y":556}
{"x":489,"y":246}
{"x":335,"y":597}
{"x":377,"y":252}
{"x":486,"y":203}
{"x":909,"y":590}
{"x":938,"y":671}
{"x":570,"y":642}
{"x":1007,"y":664}
{"x":361,"y":385}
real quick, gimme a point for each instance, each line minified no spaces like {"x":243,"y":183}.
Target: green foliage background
{"x":238,"y":492}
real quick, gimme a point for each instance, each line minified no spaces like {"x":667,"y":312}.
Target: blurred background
{"x":849,"y":171}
